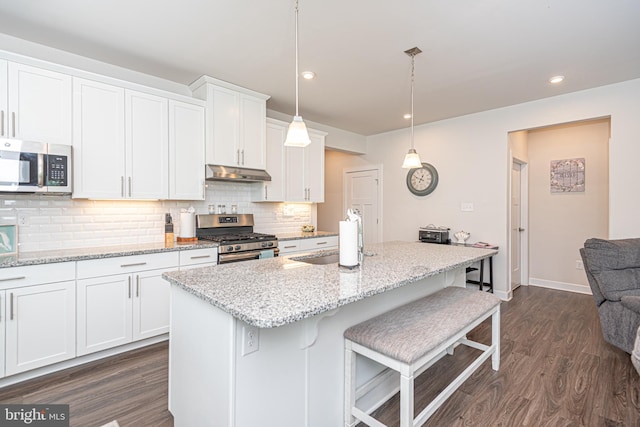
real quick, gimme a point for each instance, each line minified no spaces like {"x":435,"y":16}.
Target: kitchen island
{"x":260,"y":342}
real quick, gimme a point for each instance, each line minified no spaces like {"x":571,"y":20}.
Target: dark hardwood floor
{"x":556,"y":370}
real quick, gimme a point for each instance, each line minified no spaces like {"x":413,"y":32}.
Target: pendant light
{"x":297,"y":135}
{"x":412,"y":160}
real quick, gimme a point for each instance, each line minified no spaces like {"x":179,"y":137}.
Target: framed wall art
{"x":567,"y":176}
{"x":8,"y":239}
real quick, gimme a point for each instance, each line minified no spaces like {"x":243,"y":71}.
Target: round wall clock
{"x":422,"y":181}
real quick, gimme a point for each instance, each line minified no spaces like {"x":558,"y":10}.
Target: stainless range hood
{"x":228,"y":173}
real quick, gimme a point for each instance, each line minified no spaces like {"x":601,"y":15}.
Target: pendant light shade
{"x":297,"y":135}
{"x":412,"y":159}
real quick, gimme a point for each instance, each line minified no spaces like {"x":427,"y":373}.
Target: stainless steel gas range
{"x":235,"y":236}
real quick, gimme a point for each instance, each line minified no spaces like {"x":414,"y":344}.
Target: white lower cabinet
{"x":197,"y":258}
{"x":40,"y":326}
{"x":117,"y":309}
{"x":308,"y":244}
{"x":37,"y":316}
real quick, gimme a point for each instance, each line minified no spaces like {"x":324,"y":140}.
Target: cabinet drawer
{"x":289,"y":246}
{"x":198,"y":256}
{"x":319,"y":243}
{"x":126,"y":264}
{"x":27,"y":275}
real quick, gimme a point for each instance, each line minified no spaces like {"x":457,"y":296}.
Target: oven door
{"x":22,"y":166}
{"x":247,"y":255}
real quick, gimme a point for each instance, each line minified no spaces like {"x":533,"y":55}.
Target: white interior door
{"x":516,"y":225}
{"x":362,"y":191}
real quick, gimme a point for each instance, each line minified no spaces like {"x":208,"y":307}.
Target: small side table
{"x":481,"y":282}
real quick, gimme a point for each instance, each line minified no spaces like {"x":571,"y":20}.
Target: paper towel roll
{"x":348,"y":243}
{"x":187,"y":224}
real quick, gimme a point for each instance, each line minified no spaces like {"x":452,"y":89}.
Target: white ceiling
{"x":477,"y":55}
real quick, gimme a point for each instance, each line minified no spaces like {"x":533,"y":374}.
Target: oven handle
{"x":242,"y":256}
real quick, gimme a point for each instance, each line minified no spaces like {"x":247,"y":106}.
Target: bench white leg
{"x":495,"y":339}
{"x":406,"y":400}
{"x":349,"y":384}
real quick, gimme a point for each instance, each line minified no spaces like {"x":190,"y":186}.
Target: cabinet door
{"x":39,"y":104}
{"x":314,"y":169}
{"x":40,"y":326}
{"x":104,"y":312}
{"x":273,"y":191}
{"x":150,"y":304}
{"x":3,"y":321}
{"x":252,"y":132}
{"x":186,"y":151}
{"x":147,"y":146}
{"x":98,"y":140}
{"x":295,"y":186}
{"x":223,"y":140}
{"x":4,"y":104}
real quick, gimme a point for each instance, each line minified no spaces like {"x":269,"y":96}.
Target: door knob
{"x":520,"y":229}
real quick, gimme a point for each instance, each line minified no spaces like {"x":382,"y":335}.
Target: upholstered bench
{"x":412,"y":337}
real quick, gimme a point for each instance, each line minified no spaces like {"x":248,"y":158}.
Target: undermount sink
{"x":320,"y":260}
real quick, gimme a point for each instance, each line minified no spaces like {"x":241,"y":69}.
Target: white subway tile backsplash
{"x":59,"y":222}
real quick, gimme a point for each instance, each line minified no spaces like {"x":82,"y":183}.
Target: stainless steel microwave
{"x":34,"y":167}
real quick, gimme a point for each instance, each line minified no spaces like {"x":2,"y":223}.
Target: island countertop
{"x":274,"y":292}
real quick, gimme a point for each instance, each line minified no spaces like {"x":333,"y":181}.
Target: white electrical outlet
{"x":466,"y":207}
{"x":250,"y":339}
{"x":579,"y":265}
{"x":23,"y":219}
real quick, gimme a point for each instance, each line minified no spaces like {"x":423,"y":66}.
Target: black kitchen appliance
{"x":433,"y":234}
{"x":235,"y":236}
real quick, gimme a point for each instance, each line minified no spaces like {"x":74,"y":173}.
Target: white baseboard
{"x":77,"y":361}
{"x":560,"y":286}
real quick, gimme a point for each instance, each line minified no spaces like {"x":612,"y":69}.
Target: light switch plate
{"x":466,"y":207}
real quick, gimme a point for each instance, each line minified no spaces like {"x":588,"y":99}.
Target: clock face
{"x":422,"y":181}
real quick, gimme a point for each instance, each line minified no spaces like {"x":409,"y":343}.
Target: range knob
{"x":238,"y":247}
{"x":270,"y":244}
{"x":229,"y":248}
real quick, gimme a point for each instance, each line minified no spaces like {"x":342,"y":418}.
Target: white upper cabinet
{"x":304,"y":170}
{"x":186,"y":151}
{"x":273,"y":191}
{"x":98,"y":140}
{"x":235,"y":123}
{"x":147,"y":146}
{"x":35,"y":104}
{"x":120,"y":141}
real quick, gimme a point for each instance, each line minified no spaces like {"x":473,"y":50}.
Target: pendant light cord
{"x":413,"y":57}
{"x":297,"y":58}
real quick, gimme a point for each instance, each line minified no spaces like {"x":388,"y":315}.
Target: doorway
{"x":362,"y":189}
{"x":518,"y":235}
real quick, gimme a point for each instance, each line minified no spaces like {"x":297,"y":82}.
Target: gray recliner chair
{"x":613,"y":271}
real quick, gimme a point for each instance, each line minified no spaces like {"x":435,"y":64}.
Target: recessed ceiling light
{"x":407,"y":116}
{"x":556,"y":79}
{"x":308,"y":75}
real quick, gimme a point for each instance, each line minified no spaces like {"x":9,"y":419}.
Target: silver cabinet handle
{"x":321,"y":243}
{"x":135,"y":264}
{"x":201,"y":256}
{"x":13,"y":278}
{"x":13,"y":123}
{"x":129,"y":186}
{"x":137,"y":285}
{"x":243,"y":157}
{"x":1,"y":122}
{"x":289,"y":247}
{"x":122,"y":186}
{"x":204,"y":189}
{"x":238,"y":156}
{"x":266,"y":193}
{"x":11,"y":307}
{"x":129,"y":285}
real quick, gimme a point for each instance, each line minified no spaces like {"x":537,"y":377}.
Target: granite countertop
{"x":274,"y":292}
{"x":81,"y":254}
{"x":304,"y":235}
